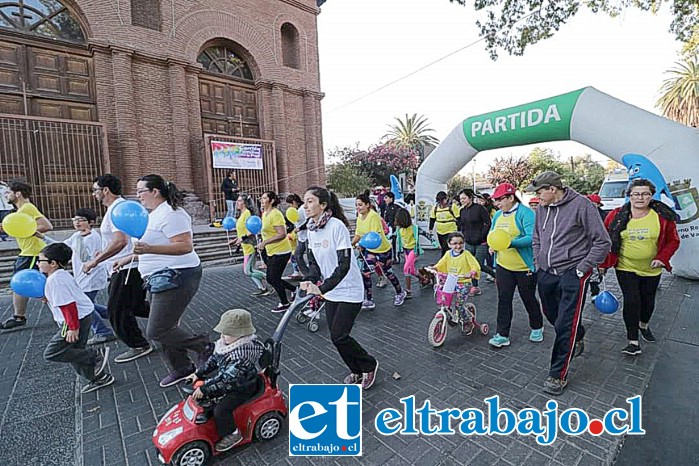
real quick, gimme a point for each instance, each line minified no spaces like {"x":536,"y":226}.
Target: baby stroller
{"x":310,"y":313}
{"x":464,"y":318}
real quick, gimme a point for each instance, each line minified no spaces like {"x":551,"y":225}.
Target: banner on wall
{"x":236,"y":155}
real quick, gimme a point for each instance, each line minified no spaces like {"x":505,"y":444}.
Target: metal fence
{"x":253,"y":182}
{"x":58,"y":158}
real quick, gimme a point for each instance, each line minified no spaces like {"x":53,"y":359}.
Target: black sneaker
{"x":102,"y":381}
{"x":631,"y":350}
{"x":259,"y":292}
{"x":133,"y":353}
{"x":554,"y":386}
{"x":14,"y":322}
{"x":579,"y":348}
{"x":647,"y":334}
{"x":229,"y":441}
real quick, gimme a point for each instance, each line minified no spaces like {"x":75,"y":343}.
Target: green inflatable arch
{"x":669,"y":151}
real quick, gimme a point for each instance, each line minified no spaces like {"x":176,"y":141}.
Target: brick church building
{"x":144,"y":86}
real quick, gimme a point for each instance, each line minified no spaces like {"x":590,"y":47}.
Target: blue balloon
{"x":228,"y":223}
{"x":606,"y":303}
{"x":371,"y":240}
{"x":131,"y":218}
{"x":29,"y":283}
{"x":253,"y":224}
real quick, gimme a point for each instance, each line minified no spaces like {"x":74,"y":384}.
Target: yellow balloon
{"x":19,"y":225}
{"x":499,"y":240}
{"x":292,"y":214}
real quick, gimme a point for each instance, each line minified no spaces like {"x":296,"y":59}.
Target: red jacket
{"x":668,"y":241}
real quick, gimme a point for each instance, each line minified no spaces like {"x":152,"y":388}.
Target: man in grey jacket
{"x":569,"y":241}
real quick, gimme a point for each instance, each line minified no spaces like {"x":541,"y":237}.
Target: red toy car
{"x":180,"y":441}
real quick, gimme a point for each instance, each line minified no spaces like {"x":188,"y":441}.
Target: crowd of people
{"x":559,"y":245}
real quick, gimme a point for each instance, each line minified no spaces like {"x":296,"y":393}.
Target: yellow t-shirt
{"x":30,"y":246}
{"x":242,"y":230}
{"x":407,"y":237}
{"x":639,"y":245}
{"x":445,"y":218}
{"x":510,"y":258}
{"x":270,"y":220}
{"x":462,"y":264}
{"x":372,"y":222}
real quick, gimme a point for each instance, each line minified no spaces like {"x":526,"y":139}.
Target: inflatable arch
{"x":650,"y":146}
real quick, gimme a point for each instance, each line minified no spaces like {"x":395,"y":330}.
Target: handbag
{"x":163,"y":280}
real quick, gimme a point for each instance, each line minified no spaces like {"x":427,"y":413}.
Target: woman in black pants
{"x":277,"y":246}
{"x":333,"y":265}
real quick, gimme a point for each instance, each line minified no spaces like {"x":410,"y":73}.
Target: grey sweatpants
{"x":82,"y":359}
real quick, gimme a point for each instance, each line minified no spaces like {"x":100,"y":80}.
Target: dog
{"x":425,"y":278}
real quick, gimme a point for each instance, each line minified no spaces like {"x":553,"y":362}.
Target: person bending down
{"x":233,"y":374}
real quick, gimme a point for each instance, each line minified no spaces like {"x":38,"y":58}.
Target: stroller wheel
{"x":437,"y":332}
{"x":313,"y":326}
{"x":485,"y":329}
{"x":301,"y":318}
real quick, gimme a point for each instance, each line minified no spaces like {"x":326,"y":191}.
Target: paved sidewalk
{"x":114,"y":426}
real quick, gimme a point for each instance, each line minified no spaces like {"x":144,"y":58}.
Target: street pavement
{"x":45,"y":420}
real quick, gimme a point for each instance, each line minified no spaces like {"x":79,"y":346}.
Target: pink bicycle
{"x":447,"y":315}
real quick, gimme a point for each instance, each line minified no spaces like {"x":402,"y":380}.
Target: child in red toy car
{"x":233,"y":374}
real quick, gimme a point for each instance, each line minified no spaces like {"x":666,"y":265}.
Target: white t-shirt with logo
{"x":61,"y":289}
{"x":85,"y":248}
{"x":163,"y":223}
{"x":324,"y":243}
{"x":107,"y":230}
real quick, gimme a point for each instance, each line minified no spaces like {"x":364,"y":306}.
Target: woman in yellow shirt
{"x":277,"y":246}
{"x":246,"y":239}
{"x":444,"y":215}
{"x":368,"y":220}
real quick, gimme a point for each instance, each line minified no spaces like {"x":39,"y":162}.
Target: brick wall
{"x":147,"y":89}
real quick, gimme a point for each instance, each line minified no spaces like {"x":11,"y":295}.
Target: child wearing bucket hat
{"x":232,"y":374}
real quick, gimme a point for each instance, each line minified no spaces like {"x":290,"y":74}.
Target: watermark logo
{"x":325,"y":420}
{"x":544,"y":425}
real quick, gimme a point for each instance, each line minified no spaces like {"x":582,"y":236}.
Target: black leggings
{"x":275,"y":269}
{"x":224,"y":409}
{"x":340,"y":317}
{"x":443,"y":242}
{"x":639,"y":299}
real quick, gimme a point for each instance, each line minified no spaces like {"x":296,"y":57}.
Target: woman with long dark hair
{"x":332,"y":263}
{"x":368,"y":220}
{"x":172,"y":272}
{"x":245,"y":209}
{"x":276,"y":245}
{"x":644,"y":239}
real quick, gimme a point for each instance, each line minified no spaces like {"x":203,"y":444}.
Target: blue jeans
{"x":99,"y":316}
{"x":231,"y":210}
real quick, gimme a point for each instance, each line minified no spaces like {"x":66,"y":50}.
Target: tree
{"x":513,"y":25}
{"x":457,"y":183}
{"x":544,"y":159}
{"x":383,"y":160}
{"x":584,"y":174}
{"x":346,"y":180}
{"x":413,"y":133}
{"x":511,"y":169}
{"x":679,"y":98}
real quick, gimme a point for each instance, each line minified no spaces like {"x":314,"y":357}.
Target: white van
{"x":613,"y":189}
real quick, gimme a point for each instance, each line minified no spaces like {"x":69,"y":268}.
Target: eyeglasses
{"x":79,"y":219}
{"x":141,"y":191}
{"x":457,"y":243}
{"x":43,"y":260}
{"x":640,"y":195}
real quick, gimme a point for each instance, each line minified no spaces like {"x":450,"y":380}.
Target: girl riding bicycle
{"x":458,"y":261}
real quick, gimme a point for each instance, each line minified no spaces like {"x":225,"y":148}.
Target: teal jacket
{"x":524,"y":219}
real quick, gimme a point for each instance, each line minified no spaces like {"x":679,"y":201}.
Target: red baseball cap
{"x":534,"y":200}
{"x":595,"y":198}
{"x":503,"y":189}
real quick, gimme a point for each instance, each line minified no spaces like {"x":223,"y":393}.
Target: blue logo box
{"x":325,"y":420}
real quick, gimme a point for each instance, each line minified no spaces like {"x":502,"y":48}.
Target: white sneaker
{"x":368,"y":304}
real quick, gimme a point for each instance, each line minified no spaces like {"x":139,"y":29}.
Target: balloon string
{"x":128,"y":272}
{"x":230,"y":251}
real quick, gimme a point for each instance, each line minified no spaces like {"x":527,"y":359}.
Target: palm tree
{"x":411,"y":133}
{"x":679,"y":98}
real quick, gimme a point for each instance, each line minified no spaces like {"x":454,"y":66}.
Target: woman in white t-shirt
{"x":332,"y":263}
{"x":172,"y":272}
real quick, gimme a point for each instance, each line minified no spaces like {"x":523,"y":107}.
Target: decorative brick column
{"x":180,"y":125}
{"x":311,"y":123}
{"x":279,"y":128}
{"x":193,"y":130}
{"x":126,"y":125}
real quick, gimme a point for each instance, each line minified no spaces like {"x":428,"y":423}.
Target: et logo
{"x":325,"y":420}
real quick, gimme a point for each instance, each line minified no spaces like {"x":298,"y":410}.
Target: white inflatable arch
{"x":650,"y":146}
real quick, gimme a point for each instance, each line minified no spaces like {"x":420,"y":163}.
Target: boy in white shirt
{"x":86,"y":243}
{"x":72,"y":311}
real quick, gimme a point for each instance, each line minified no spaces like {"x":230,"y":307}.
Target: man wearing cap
{"x":569,"y":241}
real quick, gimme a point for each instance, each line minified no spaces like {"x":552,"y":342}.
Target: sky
{"x":366,"y":44}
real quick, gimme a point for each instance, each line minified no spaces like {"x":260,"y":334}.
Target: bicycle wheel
{"x":437,"y":331}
